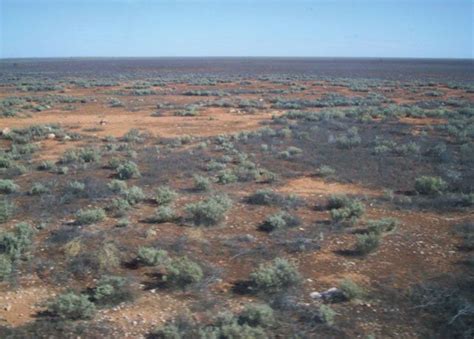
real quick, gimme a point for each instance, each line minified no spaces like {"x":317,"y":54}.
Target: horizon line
{"x":236,"y":57}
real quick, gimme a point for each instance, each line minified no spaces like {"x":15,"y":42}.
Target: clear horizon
{"x":417,"y":29}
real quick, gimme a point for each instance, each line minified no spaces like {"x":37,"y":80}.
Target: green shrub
{"x":165,"y":195}
{"x":118,"y":207}
{"x":70,"y":156}
{"x":5,"y":162}
{"x":62,"y":170}
{"x":150,"y":256}
{"x":349,"y":140}
{"x":183,"y":272}
{"x":47,"y":165}
{"x":5,"y":267}
{"x":351,"y":290}
{"x":278,"y":221}
{"x":269,"y":197}
{"x":201,"y":183}
{"x":367,"y":243}
{"x":256,"y":315}
{"x":326,"y":314}
{"x":127,"y":170}
{"x":71,"y":306}
{"x":38,"y":189}
{"x":163,"y":214}
{"x":168,"y":331}
{"x":277,"y":276}
{"x":117,"y":186}
{"x":6,"y":210}
{"x":124,"y":222}
{"x":133,"y":136}
{"x":111,"y":290}
{"x":430,"y":185}
{"x":89,"y":154}
{"x":90,"y":216}
{"x":325,"y":171}
{"x":344,"y":209}
{"x":226,"y":176}
{"x":338,"y":201}
{"x":381,"y":226}
{"x":76,"y":187}
{"x":14,"y":244}
{"x":8,"y":186}
{"x":210,"y":210}
{"x":134,"y":195}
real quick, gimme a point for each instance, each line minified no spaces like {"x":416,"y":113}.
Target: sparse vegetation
{"x":90,"y":216}
{"x":320,"y":187}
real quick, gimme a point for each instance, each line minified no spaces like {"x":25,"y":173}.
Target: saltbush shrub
{"x":367,"y":243}
{"x":47,"y":165}
{"x":256,"y":315}
{"x":5,"y":267}
{"x":8,"y":186}
{"x":89,"y":154}
{"x":382,"y":225}
{"x":117,"y":186}
{"x":127,"y":170}
{"x":90,"y":216}
{"x":118,"y":207}
{"x":351,"y":290}
{"x":326,"y":314}
{"x":134,"y":195}
{"x":430,"y":185}
{"x":111,"y":290}
{"x":70,"y":306}
{"x":6,"y":210}
{"x":343,"y":209}
{"x":163,"y":214}
{"x":201,"y":183}
{"x":209,"y":211}
{"x":278,"y":221}
{"x":226,"y":176}
{"x":15,"y":243}
{"x":38,"y":189}
{"x":182,"y":272}
{"x":276,"y":276}
{"x":150,"y":256}
{"x":165,"y":195}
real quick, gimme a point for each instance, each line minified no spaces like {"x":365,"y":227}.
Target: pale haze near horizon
{"x":146,"y":28}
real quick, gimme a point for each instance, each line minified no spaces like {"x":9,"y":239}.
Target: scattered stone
{"x":331,"y":295}
{"x":6,"y":131}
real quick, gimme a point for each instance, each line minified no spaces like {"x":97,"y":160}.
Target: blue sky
{"x":359,"y":28}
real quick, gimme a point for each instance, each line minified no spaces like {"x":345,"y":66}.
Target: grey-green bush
{"x":430,"y":185}
{"x":276,"y":276}
{"x":209,"y":211}
{"x":8,"y":186}
{"x":90,"y":216}
{"x":127,"y":170}
{"x":183,"y":272}
{"x":165,"y":195}
{"x":70,"y":306}
{"x":150,"y":256}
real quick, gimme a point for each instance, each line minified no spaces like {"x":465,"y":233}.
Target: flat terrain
{"x":114,"y":168}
